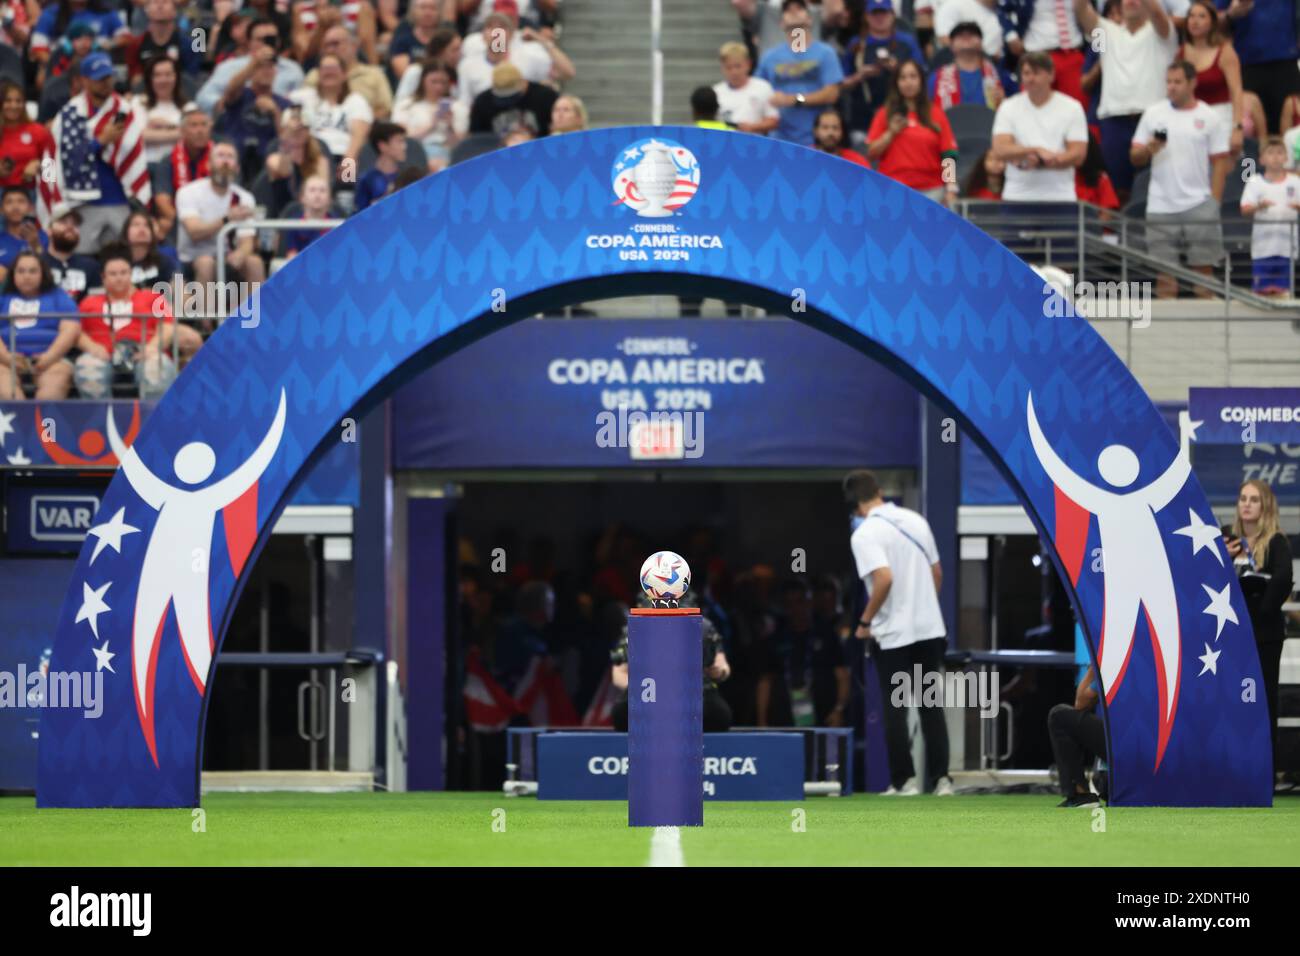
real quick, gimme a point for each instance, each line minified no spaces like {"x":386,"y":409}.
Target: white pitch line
{"x":666,"y":847}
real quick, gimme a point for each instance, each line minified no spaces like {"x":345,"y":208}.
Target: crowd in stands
{"x":135,"y":135}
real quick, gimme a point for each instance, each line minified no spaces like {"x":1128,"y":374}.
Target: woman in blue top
{"x":34,"y":343}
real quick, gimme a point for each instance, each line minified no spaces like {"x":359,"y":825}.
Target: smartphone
{"x":120,"y":119}
{"x":882,"y":53}
{"x":1160,"y":134}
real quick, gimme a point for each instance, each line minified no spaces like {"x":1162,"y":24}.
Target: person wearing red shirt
{"x":910,"y":139}
{"x":130,"y":329}
{"x":1091,"y":184}
{"x":828,"y":136}
{"x":986,"y":178}
{"x":21,"y":141}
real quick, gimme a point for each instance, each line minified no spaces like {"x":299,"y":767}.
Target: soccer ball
{"x":665,"y":576}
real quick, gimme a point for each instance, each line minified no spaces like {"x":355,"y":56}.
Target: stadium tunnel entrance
{"x":962,"y":321}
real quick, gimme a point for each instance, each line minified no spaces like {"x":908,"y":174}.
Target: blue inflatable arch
{"x":682,"y":211}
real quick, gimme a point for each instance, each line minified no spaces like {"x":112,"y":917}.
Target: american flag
{"x":75,"y":178}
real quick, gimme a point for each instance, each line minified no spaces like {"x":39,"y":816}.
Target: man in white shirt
{"x":207,"y":204}
{"x":1134,"y":54}
{"x":744,"y":101}
{"x":1042,"y":136}
{"x":1183,"y":139}
{"x":538,"y":59}
{"x":1050,"y":27}
{"x":898,"y":561}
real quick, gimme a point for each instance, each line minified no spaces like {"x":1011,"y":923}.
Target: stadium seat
{"x":11,"y":64}
{"x":57,"y":91}
{"x":1137,"y":200}
{"x":971,"y":121}
{"x":1235,"y":183}
{"x":476,"y":144}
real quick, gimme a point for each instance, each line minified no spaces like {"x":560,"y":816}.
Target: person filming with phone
{"x":1261,"y":556}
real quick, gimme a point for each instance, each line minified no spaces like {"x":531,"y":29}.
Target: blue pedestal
{"x":665,"y":743}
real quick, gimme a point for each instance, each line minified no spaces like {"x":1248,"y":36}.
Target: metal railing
{"x":264,"y":225}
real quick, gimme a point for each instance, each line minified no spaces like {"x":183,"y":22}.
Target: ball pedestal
{"x":665,"y":742}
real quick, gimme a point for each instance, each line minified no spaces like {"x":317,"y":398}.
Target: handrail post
{"x":656,"y":63}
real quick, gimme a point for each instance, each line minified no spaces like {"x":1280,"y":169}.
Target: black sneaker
{"x":1080,"y":801}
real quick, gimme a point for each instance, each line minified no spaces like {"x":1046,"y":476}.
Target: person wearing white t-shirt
{"x":1042,"y":136}
{"x":204,"y":206}
{"x":1272,"y":198}
{"x":1183,"y":139}
{"x":499,"y":42}
{"x":898,"y":561}
{"x":1134,"y":54}
{"x":744,"y":101}
{"x":335,"y":115}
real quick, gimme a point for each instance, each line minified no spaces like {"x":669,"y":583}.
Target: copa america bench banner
{"x":658,"y":210}
{"x":737,"y":766}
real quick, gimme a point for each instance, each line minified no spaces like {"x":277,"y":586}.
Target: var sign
{"x":62,"y":517}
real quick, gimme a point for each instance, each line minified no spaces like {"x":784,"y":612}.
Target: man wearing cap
{"x":107,"y":27}
{"x":872,"y":60}
{"x":76,"y":274}
{"x":981,"y":12}
{"x":804,"y":72}
{"x":512,"y":94}
{"x":971,"y":77}
{"x":98,"y":160}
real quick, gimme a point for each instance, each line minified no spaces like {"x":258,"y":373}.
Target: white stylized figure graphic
{"x":1135,"y":563}
{"x":170,"y":572}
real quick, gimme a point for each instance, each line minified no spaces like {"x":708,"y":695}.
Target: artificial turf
{"x":457,"y":829}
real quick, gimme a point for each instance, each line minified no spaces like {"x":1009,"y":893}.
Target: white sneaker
{"x":909,"y":789}
{"x":944,"y":787}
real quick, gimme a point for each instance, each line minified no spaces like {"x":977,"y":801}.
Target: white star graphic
{"x":1203,"y":535}
{"x":110,"y":535}
{"x":92,"y":605}
{"x":632,"y":152}
{"x":102,"y":658}
{"x":1220,"y":608}
{"x":1210,"y":661}
{"x":1185,"y":422}
{"x":6,"y":425}
{"x":18,"y":458}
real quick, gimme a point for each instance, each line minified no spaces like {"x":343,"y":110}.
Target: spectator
{"x":510,"y":101}
{"x":315,"y":200}
{"x":434,"y":116}
{"x":370,"y":81}
{"x":983,"y":13}
{"x":872,"y":59}
{"x":152,"y":266}
{"x":1134,"y":55}
{"x":538,"y":61}
{"x":1264,"y":37}
{"x":108,"y":28}
{"x":1261,"y":556}
{"x":388,"y":140}
{"x":1181,"y":138}
{"x":829,"y":136}
{"x":760,"y":20}
{"x":1091,"y":184}
{"x":525,"y":32}
{"x":250,"y":117}
{"x":569,"y":115}
{"x":414,"y":35}
{"x":986,"y":177}
{"x":898,"y":561}
{"x":74,"y":273}
{"x":704,"y":109}
{"x":230,"y":37}
{"x":34,"y":343}
{"x":18,"y":18}
{"x":744,"y":101}
{"x":1272,"y":199}
{"x":1077,"y":732}
{"x":167,"y":37}
{"x":1049,"y":27}
{"x":1041,"y":134}
{"x":971,"y":77}
{"x":1218,"y":69}
{"x":203,"y":207}
{"x":312,"y":20}
{"x":98,"y":157}
{"x":444,"y":51}
{"x":161,"y":104}
{"x":21,"y":233}
{"x":22,"y":142}
{"x":126,"y":329}
{"x":910,"y":139}
{"x":77,"y":43}
{"x":805,"y":74}
{"x":335,"y":115}
{"x":187,"y":161}
{"x":297,"y":158}
{"x":1290,"y":113}
{"x":809,"y":678}
{"x":265,"y":45}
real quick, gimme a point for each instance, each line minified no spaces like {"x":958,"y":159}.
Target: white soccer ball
{"x":665,"y":576}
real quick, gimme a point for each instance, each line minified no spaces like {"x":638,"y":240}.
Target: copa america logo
{"x":656,"y":177}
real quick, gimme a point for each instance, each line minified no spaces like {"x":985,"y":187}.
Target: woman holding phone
{"x":910,"y":139}
{"x":1262,"y":557}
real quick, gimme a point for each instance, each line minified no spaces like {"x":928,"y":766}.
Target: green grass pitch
{"x":457,"y":829}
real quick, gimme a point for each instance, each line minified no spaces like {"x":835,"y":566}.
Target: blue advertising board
{"x":1237,"y":416}
{"x":51,"y":518}
{"x":737,"y":766}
